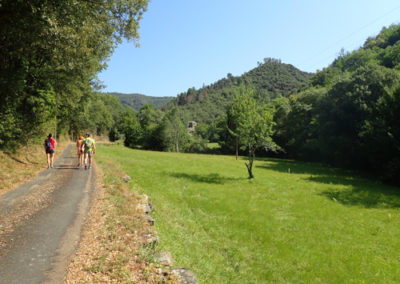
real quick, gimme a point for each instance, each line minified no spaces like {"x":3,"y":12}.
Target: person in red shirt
{"x":50,"y":148}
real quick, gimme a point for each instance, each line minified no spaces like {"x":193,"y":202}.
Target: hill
{"x":136,"y":101}
{"x":270,"y":79}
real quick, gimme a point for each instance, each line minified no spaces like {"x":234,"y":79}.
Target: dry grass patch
{"x":17,"y":168}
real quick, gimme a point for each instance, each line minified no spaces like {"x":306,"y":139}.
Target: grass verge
{"x":294,"y":223}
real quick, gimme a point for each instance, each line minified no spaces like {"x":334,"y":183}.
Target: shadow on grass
{"x":210,"y":178}
{"x":14,"y":158}
{"x":360,"y":190}
{"x":365,"y":197}
{"x":291,"y":166}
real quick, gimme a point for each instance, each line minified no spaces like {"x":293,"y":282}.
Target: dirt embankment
{"x":23,"y":165}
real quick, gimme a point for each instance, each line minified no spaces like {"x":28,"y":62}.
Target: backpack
{"x":48,"y":144}
{"x":88,"y":144}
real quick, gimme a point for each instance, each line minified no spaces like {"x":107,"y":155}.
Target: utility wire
{"x":334,"y":44}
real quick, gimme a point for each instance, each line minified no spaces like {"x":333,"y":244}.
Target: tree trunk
{"x":237,"y":147}
{"x":176,"y":140}
{"x":250,"y":164}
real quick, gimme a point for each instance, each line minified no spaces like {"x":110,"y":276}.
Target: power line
{"x":334,"y":44}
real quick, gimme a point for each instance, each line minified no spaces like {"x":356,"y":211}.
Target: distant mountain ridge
{"x":136,"y":101}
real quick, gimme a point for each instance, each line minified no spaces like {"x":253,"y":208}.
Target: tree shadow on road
{"x":66,"y":167}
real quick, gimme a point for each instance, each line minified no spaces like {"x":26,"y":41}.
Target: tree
{"x":150,"y":120}
{"x":253,"y":125}
{"x":130,"y":127}
{"x":298,"y":131}
{"x":357,"y":126}
{"x":175,"y":133}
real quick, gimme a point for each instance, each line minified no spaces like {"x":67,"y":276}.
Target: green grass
{"x":294,"y":223}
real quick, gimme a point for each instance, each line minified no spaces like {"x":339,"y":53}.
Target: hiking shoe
{"x":90,"y":167}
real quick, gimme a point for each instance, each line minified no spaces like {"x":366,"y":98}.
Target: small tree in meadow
{"x":253,"y":123}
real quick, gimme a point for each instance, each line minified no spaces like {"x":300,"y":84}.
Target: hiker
{"x":80,"y":149}
{"x":89,"y":150}
{"x":50,"y":148}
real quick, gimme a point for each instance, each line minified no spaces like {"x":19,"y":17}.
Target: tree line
{"x":51,"y":52}
{"x":349,"y":115}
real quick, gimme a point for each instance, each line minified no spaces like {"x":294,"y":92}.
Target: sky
{"x":191,"y":43}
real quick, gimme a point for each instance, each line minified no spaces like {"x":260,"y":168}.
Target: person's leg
{"x":48,"y":160}
{"x":89,"y":159}
{"x":79,"y":159}
{"x":52,"y":159}
{"x":85,"y":159}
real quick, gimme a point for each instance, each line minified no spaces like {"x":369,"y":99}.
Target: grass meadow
{"x":294,"y":223}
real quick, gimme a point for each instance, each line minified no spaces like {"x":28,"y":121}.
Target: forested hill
{"x":349,"y":114}
{"x":137,"y":101}
{"x":270,"y":79}
{"x":275,"y":77}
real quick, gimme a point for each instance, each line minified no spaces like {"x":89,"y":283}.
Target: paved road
{"x":40,"y":222}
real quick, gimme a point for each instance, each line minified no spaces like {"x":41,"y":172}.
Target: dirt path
{"x":40,"y":222}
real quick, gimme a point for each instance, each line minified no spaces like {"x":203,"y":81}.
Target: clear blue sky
{"x":188,"y":43}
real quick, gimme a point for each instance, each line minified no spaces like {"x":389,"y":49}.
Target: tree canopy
{"x":51,"y":52}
